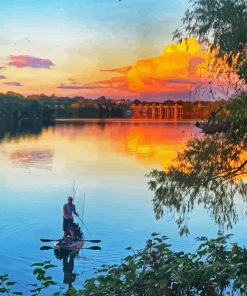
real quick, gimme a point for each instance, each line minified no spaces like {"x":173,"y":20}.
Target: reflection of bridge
{"x":157,"y":111}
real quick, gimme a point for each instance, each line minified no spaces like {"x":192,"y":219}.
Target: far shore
{"x":126,"y":120}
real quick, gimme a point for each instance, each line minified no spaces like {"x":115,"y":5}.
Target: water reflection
{"x":77,"y":147}
{"x":104,"y":151}
{"x":10,"y":130}
{"x":152,"y":143}
{"x":68,"y":267}
{"x":212,"y":172}
{"x":36,"y":158}
{"x":109,"y":163}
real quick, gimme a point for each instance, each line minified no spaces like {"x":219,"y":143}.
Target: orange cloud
{"x":153,"y":75}
{"x":179,"y":69}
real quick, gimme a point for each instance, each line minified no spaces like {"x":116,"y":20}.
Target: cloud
{"x":22,"y":61}
{"x":159,"y":74}
{"x":173,"y":71}
{"x":73,"y":81}
{"x":181,"y":81}
{"x":2,"y":68}
{"x":13,"y":83}
{"x":179,"y":70}
{"x":123,"y":70}
{"x":73,"y":86}
{"x":194,"y":62}
{"x":2,"y":77}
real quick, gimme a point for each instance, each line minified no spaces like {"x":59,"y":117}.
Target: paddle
{"x":44,"y":248}
{"x":44,"y":240}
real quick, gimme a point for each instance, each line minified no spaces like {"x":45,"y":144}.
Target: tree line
{"x":42,"y":109}
{"x":20,"y":110}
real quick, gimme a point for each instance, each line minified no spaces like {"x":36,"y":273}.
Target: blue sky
{"x":82,"y":37}
{"x":142,"y":25}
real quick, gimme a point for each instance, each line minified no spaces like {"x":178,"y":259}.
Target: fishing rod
{"x":74,"y":195}
{"x":83,"y":208}
{"x":74,"y":190}
{"x":83,"y":224}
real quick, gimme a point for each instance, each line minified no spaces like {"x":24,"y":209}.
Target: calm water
{"x":108,"y":162}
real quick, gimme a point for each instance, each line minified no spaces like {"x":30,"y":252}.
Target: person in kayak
{"x":68,"y":220}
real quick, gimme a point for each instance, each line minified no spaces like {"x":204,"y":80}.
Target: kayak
{"x":68,"y":244}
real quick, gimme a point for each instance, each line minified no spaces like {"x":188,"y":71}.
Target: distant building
{"x":157,"y":111}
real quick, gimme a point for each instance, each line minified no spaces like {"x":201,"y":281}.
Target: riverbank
{"x":123,"y":120}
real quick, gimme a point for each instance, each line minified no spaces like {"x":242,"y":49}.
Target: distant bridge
{"x":157,"y":111}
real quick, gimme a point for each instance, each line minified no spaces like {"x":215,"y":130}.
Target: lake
{"x":108,"y":162}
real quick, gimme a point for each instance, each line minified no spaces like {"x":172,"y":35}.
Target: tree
{"x":222,"y":25}
{"x":212,"y":169}
{"x":214,"y":269}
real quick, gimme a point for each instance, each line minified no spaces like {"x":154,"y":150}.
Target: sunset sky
{"x":97,"y":47}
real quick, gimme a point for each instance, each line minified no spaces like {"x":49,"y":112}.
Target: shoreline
{"x":123,"y":120}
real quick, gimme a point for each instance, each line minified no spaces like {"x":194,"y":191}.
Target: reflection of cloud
{"x":150,"y":143}
{"x":22,"y":61}
{"x":14,"y":83}
{"x":73,"y":86}
{"x":156,"y":144}
{"x":32,"y":158}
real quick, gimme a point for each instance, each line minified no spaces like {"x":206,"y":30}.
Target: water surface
{"x":109,"y":162}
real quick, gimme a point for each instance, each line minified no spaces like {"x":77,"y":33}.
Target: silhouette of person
{"x":68,"y":267}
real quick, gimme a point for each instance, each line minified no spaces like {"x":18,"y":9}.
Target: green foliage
{"x":236,"y":116}
{"x":20,"y":115}
{"x":242,"y":71}
{"x":157,"y":270}
{"x":211,"y":171}
{"x":43,"y":280}
{"x":220,"y":23}
{"x":6,"y":286}
{"x":214,"y":268}
{"x":19,"y":110}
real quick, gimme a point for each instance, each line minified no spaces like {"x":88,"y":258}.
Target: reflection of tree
{"x":10,"y":130}
{"x":211,"y":172}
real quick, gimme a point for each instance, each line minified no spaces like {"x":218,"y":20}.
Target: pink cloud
{"x":2,"y":77}
{"x":13,"y":83}
{"x":73,"y":86}
{"x":22,"y":61}
{"x":182,"y":81}
{"x":123,"y":70}
{"x":195,"y":61}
